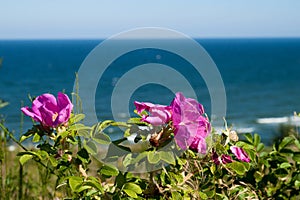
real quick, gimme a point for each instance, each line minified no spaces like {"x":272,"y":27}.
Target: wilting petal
{"x":199,"y":145}
{"x":158,"y":114}
{"x":215,"y":158}
{"x":240,"y":153}
{"x":141,"y":106}
{"x":226,"y":159}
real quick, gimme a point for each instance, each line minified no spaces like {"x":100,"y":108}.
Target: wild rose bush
{"x":167,"y":152}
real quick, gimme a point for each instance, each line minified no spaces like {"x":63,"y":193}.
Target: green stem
{"x":24,"y":148}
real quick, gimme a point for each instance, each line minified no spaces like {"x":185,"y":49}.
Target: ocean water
{"x":261,"y":78}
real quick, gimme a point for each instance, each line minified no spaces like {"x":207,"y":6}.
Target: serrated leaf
{"x":168,"y":157}
{"x":153,"y":157}
{"x":24,"y":158}
{"x":285,"y":142}
{"x":109,"y":170}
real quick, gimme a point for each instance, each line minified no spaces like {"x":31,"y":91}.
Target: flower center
{"x":54,"y":116}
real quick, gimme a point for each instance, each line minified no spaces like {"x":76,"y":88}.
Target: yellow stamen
{"x":54,"y":116}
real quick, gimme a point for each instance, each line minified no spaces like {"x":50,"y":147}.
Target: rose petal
{"x":240,"y":153}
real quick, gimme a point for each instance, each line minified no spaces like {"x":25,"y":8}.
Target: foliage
{"x":75,"y":161}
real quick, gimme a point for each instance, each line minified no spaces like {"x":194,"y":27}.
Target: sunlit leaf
{"x":75,"y":183}
{"x":109,"y":170}
{"x":153,"y":157}
{"x":36,"y":137}
{"x":167,"y":156}
{"x":238,"y":167}
{"x":24,"y":158}
{"x":285,"y":142}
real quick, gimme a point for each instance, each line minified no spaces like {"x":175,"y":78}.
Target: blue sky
{"x":101,"y":19}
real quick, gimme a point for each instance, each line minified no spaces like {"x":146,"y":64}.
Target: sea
{"x":261,"y":77}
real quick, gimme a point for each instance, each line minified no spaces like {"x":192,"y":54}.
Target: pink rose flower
{"x":158,"y":114}
{"x":240,"y":153}
{"x":49,"y":111}
{"x":191,"y":127}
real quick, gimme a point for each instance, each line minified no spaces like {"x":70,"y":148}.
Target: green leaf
{"x":127,"y":160}
{"x":286,"y":141}
{"x":132,"y":189}
{"x":203,"y":195}
{"x":2,"y":103}
{"x":36,"y":137}
{"x":136,"y":120}
{"x":139,"y":157}
{"x":260,"y":147}
{"x":82,"y":188}
{"x":281,"y":172}
{"x":130,"y":193}
{"x":296,"y":156}
{"x":297,"y":183}
{"x":77,"y":118}
{"x":168,"y":157}
{"x":109,"y":170}
{"x":176,"y":195}
{"x":26,"y":136}
{"x":153,"y":157}
{"x":103,"y":125}
{"x":238,"y":167}
{"x":285,"y":165}
{"x":75,"y":183}
{"x":102,"y":138}
{"x":248,"y":136}
{"x":297,"y":143}
{"x":258,"y":176}
{"x":24,"y":158}
{"x":256,"y":140}
{"x":63,"y":134}
{"x":91,"y":147}
{"x":53,"y":161}
{"x":95,"y":183}
{"x":83,"y":155}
